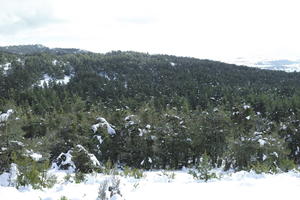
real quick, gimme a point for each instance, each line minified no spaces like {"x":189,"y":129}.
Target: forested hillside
{"x":144,"y":111}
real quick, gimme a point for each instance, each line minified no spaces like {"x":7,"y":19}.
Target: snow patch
{"x":4,"y":116}
{"x":104,"y":123}
{"x":6,"y":67}
{"x":262,"y":142}
{"x":35,"y":156}
{"x":47,"y":79}
{"x":246,"y":107}
{"x":264,"y":157}
{"x":99,"y":138}
{"x":54,"y":62}
{"x":172,"y":64}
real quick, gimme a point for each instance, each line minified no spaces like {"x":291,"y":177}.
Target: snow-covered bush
{"x":170,"y":175}
{"x":84,"y":161}
{"x":109,"y":189}
{"x":102,"y":191}
{"x":78,"y":159}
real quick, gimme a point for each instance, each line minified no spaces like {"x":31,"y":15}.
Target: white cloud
{"x":18,"y":15}
{"x":201,"y":28}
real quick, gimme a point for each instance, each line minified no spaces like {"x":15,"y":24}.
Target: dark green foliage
{"x":167,"y":111}
{"x":33,"y":173}
{"x":79,"y":177}
{"x":63,"y":198}
{"x":286,"y":165}
{"x":11,"y":140}
{"x":82,"y":160}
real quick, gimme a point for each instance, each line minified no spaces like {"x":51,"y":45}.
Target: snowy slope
{"x":157,"y":186}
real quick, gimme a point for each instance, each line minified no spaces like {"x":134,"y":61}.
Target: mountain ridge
{"x":39,"y":48}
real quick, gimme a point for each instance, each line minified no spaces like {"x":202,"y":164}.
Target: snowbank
{"x":157,"y":185}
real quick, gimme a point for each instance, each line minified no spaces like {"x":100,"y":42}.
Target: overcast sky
{"x":214,"y":29}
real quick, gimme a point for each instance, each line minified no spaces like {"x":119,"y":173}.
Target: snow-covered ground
{"x":48,"y":79}
{"x":157,"y":185}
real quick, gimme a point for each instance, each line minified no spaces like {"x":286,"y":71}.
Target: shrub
{"x":169,"y":175}
{"x":286,"y":165}
{"x":63,"y":198}
{"x":264,"y":167}
{"x":202,"y":171}
{"x":68,"y":178}
{"x":103,"y":188}
{"x":84,"y":161}
{"x":33,"y":173}
{"x":135,"y":173}
{"x":109,"y":169}
{"x":79,"y":177}
{"x":113,"y":188}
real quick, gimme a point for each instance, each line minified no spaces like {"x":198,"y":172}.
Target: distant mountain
{"x":286,"y":65}
{"x":38,"y":48}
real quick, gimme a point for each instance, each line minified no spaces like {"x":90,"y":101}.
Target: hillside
{"x":144,"y":111}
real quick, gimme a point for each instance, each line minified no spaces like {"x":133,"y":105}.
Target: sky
{"x":211,"y":29}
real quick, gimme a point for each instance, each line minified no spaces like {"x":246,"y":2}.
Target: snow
{"x":36,"y":156}
{"x":66,"y":160}
{"x":172,"y":64}
{"x":246,"y":107}
{"x":297,"y":151}
{"x":264,"y":157}
{"x":116,"y":197}
{"x":54,"y":62}
{"x":275,"y":154}
{"x":283,"y":127}
{"x":17,"y":142}
{"x":93,"y":158}
{"x":262,"y":142}
{"x":103,"y":123}
{"x":4,"y":116}
{"x":48,"y":79}
{"x":104,"y":75}
{"x":8,"y":179}
{"x":159,"y":186}
{"x":6,"y":67}
{"x":99,"y":138}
